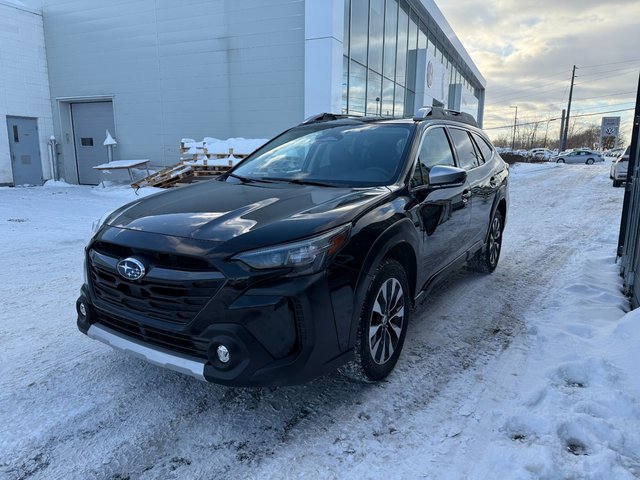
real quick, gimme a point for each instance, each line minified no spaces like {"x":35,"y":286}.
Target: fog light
{"x":223,"y":354}
{"x":83,"y":310}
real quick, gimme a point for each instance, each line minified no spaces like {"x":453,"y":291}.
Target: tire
{"x":486,"y":260}
{"x":617,"y":183}
{"x":560,"y":160}
{"x":589,"y":161}
{"x":380,"y":334}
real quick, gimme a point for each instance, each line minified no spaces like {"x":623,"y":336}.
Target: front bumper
{"x":278,"y":332}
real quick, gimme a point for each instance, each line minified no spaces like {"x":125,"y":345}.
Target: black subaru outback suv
{"x":307,"y":255}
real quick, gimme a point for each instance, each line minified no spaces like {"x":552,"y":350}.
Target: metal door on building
{"x":90,"y":121}
{"x":24,"y":145}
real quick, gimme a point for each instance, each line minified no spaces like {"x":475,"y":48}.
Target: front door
{"x":91,"y":120}
{"x":443,"y":213}
{"x":24,"y":146}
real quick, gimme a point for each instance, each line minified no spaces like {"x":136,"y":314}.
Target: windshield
{"x":359,"y":155}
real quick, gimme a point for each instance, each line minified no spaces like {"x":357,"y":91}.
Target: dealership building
{"x":152,"y":72}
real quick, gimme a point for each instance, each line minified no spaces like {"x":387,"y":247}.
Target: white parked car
{"x":619,"y":168}
{"x":540,"y":153}
{"x":579,"y":156}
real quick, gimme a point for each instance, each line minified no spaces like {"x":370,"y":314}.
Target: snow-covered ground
{"x":530,"y":372}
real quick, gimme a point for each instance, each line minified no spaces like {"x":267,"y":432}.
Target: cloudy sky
{"x":527,"y":48}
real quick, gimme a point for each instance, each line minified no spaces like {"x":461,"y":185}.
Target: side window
{"x":435,"y":150}
{"x":485,"y":148}
{"x":464,"y":148}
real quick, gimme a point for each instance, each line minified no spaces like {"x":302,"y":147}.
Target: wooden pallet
{"x":181,"y":173}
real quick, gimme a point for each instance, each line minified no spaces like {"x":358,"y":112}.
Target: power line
{"x":558,"y":118}
{"x":607,"y":64}
{"x":635,"y":67}
{"x":604,"y":96}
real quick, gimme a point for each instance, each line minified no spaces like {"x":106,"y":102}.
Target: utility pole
{"x":560,"y":144}
{"x":566,"y":128}
{"x":515,"y":123}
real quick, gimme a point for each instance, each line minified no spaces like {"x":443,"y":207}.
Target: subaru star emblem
{"x":131,"y":269}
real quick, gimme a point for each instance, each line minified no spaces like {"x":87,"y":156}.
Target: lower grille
{"x":176,"y":342}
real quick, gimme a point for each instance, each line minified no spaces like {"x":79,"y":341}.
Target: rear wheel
{"x":617,"y":183}
{"x":486,"y":260}
{"x":383,"y":323}
{"x":589,"y":161}
{"x":560,"y":160}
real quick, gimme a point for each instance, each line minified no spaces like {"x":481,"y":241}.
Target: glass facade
{"x":382,"y":43}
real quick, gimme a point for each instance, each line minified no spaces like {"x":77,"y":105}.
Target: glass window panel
{"x":376,"y":35}
{"x":422,"y":37}
{"x":464,"y":148}
{"x":410,"y":103}
{"x":347,"y":8}
{"x":432,"y":42}
{"x":398,"y":110}
{"x":403,"y":33}
{"x":435,"y":150}
{"x":359,"y":30}
{"x":387,"y":97}
{"x":390,"y":30}
{"x":374,"y":90}
{"x":345,"y":84}
{"x":357,"y":88}
{"x":485,"y":148}
{"x":438,"y":53}
{"x":412,"y":54}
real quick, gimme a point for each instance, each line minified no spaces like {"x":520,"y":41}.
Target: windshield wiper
{"x":300,"y":181}
{"x":248,"y":179}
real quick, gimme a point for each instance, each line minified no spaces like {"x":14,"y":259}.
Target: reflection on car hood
{"x":220,"y":211}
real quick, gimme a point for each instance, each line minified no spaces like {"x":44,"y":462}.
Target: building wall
{"x":24,"y":84}
{"x":192,"y":68}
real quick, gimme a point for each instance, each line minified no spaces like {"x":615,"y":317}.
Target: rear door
{"x":91,"y":120}
{"x":480,"y":176}
{"x":24,"y":145}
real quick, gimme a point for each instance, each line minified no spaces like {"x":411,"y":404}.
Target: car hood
{"x":248,"y":214}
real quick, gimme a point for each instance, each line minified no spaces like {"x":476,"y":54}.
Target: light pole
{"x":515,"y":122}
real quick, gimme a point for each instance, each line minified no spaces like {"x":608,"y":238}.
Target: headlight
{"x":305,"y":256}
{"x":98,"y":223}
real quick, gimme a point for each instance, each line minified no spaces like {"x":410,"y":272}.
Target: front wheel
{"x":383,"y":322}
{"x":589,"y":161}
{"x":560,"y":160}
{"x":486,"y":260}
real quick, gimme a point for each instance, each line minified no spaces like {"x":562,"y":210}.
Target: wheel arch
{"x":400,"y":242}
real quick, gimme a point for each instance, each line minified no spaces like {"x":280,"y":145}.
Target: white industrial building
{"x":152,"y":72}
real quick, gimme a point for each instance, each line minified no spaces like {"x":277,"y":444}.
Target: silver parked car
{"x":579,"y":156}
{"x":618,"y":172}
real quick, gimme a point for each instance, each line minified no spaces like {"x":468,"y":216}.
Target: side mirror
{"x":445,"y":176}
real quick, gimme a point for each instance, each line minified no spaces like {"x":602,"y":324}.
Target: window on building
{"x":359,"y":31}
{"x":374,"y":92}
{"x":357,"y":88}
{"x":376,"y":35}
{"x":390,"y":31}
{"x":401,"y":52}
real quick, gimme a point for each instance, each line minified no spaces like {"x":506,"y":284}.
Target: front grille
{"x":173,"y":341}
{"x":167,"y":292}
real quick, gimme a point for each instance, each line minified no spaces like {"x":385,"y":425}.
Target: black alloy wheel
{"x":383,"y":323}
{"x":486,"y":260}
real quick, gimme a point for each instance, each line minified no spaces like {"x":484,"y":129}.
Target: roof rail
{"x":323,"y":117}
{"x":444,"y":114}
